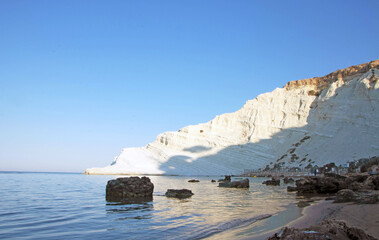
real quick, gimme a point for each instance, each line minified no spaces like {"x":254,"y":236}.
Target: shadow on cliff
{"x":275,"y":151}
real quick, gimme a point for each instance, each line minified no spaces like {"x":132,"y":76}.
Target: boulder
{"x":179,"y":193}
{"x":193,"y":180}
{"x":213,"y":180}
{"x":326,"y":185}
{"x":321,"y":185}
{"x":287,"y":180}
{"x":273,"y":181}
{"x":244,"y":183}
{"x":329,"y":229}
{"x":129,"y":188}
{"x":345,"y":195}
{"x":371,"y":182}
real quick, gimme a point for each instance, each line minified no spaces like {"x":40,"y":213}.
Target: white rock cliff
{"x":334,"y":118}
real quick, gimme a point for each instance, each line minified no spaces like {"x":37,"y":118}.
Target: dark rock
{"x":326,"y":185}
{"x":287,"y":180}
{"x":193,"y":180}
{"x":345,"y":195}
{"x":369,"y":199}
{"x":213,"y":180}
{"x":302,"y":204}
{"x":273,"y":181}
{"x":371,"y":182}
{"x":329,"y":229}
{"x":226,"y":179}
{"x":121,"y":189}
{"x":291,"y":189}
{"x":235,"y":184}
{"x":366,"y":197}
{"x":179,"y":193}
{"x":321,"y":185}
{"x":355,"y":186}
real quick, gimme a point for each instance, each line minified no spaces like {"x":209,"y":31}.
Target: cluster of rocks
{"x":358,"y":188}
{"x":141,"y":189}
{"x":122,"y":189}
{"x":361,"y":197}
{"x":333,"y":184}
{"x":329,"y":229}
{"x":274,"y":181}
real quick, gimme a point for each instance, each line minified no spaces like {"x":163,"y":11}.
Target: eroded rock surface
{"x":325,"y":185}
{"x":273,"y":181}
{"x":179,"y":193}
{"x":129,"y":188}
{"x":328,"y":230}
{"x":235,"y":184}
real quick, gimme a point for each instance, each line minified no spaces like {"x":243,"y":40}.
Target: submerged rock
{"x":179,"y":193}
{"x":273,"y":181}
{"x":127,"y":188}
{"x":244,"y":183}
{"x":328,"y":230}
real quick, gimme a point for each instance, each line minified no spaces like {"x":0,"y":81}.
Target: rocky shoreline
{"x":333,"y":206}
{"x":349,"y":208}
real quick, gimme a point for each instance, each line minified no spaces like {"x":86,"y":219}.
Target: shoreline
{"x":364,"y":216}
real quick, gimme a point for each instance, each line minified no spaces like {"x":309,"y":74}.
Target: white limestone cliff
{"x":310,"y":121}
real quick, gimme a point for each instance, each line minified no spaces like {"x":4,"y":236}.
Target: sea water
{"x":73,"y":206}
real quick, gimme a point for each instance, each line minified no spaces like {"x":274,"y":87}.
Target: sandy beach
{"x":364,"y":216}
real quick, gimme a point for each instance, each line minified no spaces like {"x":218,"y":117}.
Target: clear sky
{"x":79,"y":80}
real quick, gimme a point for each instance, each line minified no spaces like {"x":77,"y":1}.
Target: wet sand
{"x":364,"y":216}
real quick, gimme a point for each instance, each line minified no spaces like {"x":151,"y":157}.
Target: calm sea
{"x":73,"y":206}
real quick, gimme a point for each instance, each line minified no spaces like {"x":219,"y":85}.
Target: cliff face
{"x":321,"y":83}
{"x":312,"y":121}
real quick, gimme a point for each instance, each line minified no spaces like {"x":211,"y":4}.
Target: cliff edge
{"x":307,"y":122}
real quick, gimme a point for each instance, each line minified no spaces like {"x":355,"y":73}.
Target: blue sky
{"x":79,"y":80}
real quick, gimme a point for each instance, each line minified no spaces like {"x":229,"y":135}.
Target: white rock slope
{"x":312,"y":121}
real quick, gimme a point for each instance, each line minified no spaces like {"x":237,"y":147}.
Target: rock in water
{"x":235,"y":184}
{"x":193,"y":180}
{"x":129,"y":188}
{"x":273,"y":181}
{"x":287,"y":180}
{"x":179,"y":193}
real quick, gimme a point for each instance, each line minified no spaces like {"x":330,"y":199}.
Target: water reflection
{"x":130,"y":210}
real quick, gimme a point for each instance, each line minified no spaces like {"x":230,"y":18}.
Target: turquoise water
{"x":73,"y":206}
